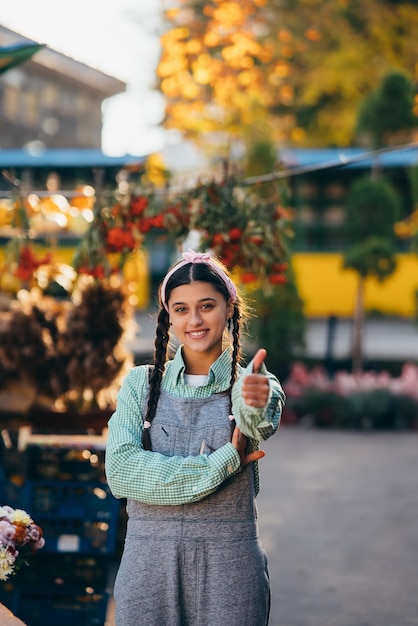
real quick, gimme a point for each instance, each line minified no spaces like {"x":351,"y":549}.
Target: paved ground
{"x":339,"y":520}
{"x":385,"y":338}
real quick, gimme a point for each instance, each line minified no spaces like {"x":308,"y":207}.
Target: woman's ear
{"x":229,"y":310}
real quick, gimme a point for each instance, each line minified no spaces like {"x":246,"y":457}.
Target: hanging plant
{"x":250,"y":234}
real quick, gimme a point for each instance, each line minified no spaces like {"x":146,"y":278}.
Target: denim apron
{"x":198,"y":564}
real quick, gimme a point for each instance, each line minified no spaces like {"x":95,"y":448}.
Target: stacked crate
{"x":65,"y":492}
{"x":61,"y":590}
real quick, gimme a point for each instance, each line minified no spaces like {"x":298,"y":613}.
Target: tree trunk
{"x":358,"y":329}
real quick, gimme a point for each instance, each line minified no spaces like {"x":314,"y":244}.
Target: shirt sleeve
{"x":256,"y":423}
{"x":151,"y":477}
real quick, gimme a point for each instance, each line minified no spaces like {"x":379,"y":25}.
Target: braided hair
{"x":186,"y":274}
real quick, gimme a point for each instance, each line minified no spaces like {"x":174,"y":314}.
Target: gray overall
{"x":197,"y":564}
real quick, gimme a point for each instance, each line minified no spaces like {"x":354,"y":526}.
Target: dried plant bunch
{"x":71,"y":352}
{"x":93,"y":338}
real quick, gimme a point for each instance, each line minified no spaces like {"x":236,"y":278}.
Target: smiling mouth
{"x":197,"y":334}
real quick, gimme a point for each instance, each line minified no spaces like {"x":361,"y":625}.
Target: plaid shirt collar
{"x":219,"y":371}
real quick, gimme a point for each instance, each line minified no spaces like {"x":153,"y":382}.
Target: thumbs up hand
{"x":255,"y":386}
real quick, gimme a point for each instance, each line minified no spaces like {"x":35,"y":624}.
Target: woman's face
{"x":198,"y":314}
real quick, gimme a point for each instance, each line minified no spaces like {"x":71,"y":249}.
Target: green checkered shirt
{"x":153,"y":478}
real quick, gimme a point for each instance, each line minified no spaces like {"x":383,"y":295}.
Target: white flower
{"x":6,"y":563}
{"x":5,"y":511}
{"x":20,"y":516}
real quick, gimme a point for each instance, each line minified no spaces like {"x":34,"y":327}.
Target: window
{"x":30,"y":109}
{"x":11,"y":103}
{"x":50,"y":96}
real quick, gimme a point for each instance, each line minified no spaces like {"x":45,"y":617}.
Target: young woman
{"x":183,"y":449}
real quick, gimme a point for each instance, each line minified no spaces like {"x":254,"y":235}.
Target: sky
{"x":118,"y":37}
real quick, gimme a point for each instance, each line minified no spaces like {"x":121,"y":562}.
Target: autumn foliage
{"x":294,"y":71}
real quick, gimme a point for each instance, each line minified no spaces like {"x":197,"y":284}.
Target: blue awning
{"x":348,"y":157}
{"x":62,"y":158}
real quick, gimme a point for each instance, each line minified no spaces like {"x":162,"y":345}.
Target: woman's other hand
{"x":239,"y":441}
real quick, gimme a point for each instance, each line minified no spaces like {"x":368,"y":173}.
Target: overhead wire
{"x":342,"y":161}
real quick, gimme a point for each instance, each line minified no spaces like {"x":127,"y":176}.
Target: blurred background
{"x":283,"y":137}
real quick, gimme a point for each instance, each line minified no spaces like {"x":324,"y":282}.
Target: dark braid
{"x":236,"y":357}
{"x":160,"y":357}
{"x":236,"y":344}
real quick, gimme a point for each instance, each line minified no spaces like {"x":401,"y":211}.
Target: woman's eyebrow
{"x":199,"y":301}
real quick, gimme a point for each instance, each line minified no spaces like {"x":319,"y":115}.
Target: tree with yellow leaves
{"x":291,"y":71}
{"x":219,"y":69}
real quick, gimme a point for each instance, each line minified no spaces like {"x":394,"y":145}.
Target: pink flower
{"x":7,"y":532}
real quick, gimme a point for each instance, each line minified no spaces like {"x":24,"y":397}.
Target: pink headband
{"x":199,"y":257}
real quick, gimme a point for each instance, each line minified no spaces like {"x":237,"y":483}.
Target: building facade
{"x":52,"y":100}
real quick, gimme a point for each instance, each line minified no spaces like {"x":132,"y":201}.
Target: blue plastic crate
{"x":64,"y":570}
{"x":67,"y":607}
{"x":55,"y":463}
{"x":74,"y":516}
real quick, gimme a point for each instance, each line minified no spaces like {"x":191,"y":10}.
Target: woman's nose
{"x":196,"y":318}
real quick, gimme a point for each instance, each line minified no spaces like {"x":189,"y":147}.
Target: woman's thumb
{"x":259,"y":359}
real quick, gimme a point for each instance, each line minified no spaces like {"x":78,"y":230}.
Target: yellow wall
{"x":327,"y":289}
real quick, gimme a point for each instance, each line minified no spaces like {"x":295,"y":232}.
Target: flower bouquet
{"x":20,"y":537}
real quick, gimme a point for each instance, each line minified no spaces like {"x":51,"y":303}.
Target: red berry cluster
{"x":28,"y":263}
{"x":247,"y":235}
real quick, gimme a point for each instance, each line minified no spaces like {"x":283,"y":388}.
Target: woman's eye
{"x":207,"y":306}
